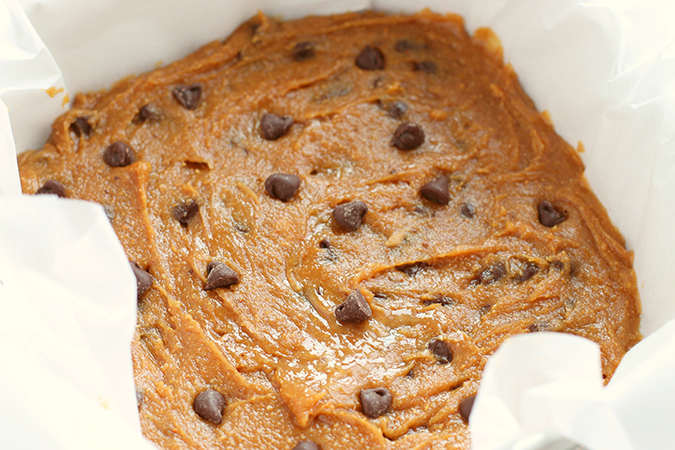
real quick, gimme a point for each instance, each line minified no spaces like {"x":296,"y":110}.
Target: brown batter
{"x":387,"y":170}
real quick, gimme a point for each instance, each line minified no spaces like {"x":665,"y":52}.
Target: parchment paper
{"x":604,"y":69}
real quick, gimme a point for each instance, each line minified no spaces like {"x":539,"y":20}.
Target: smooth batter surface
{"x":470,"y":273}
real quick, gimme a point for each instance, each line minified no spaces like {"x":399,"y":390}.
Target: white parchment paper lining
{"x":605,"y":69}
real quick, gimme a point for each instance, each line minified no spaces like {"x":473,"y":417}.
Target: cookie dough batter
{"x":335,"y":221}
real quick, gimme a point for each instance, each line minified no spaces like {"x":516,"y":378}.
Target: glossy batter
{"x":386,"y":171}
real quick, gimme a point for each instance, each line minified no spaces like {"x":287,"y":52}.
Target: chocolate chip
{"x":484,"y":309}
{"x":81,"y":127}
{"x":375,"y":402}
{"x":139,"y":398}
{"x":405,"y":45}
{"x":219,"y":274}
{"x":282,"y":186}
{"x":241,"y":227}
{"x":491,"y":274}
{"x":273,"y":126}
{"x":143,"y":279}
{"x":424,"y":66}
{"x":303,"y":51}
{"x":209,"y":406}
{"x":306,"y":445}
{"x":119,"y":154}
{"x":185,"y":211}
{"x":397,"y":109}
{"x":379,"y":81}
{"x":465,"y":407}
{"x":442,"y":300}
{"x":408,"y":136}
{"x":569,"y":304}
{"x":441,"y":350}
{"x":52,"y":187}
{"x":354,"y":309}
{"x":534,"y":328}
{"x":530,"y":269}
{"x":350,"y":215}
{"x":188,"y":96}
{"x":549,"y":215}
{"x":147,"y":112}
{"x":437,"y":190}
{"x":370,"y":58}
{"x":412,"y":268}
{"x":324,"y":243}
{"x":467,"y":210}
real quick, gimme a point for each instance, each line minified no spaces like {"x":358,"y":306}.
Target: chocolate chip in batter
{"x":52,"y":187}
{"x":80,"y":127}
{"x":147,"y":112}
{"x":240,"y":227}
{"x":534,"y":328}
{"x":209,"y":406}
{"x":185,"y":211}
{"x":303,"y":51}
{"x":441,"y":300}
{"x":408,"y":136}
{"x":306,"y":445}
{"x":350,"y":215}
{"x":530,"y":269}
{"x":396,"y":109}
{"x":378,"y":82}
{"x":569,"y":304}
{"x":405,"y":45}
{"x":273,"y":126}
{"x":465,"y":407}
{"x":119,"y":154}
{"x":143,"y":279}
{"x":139,"y":398}
{"x":558,"y":265}
{"x":437,"y":190}
{"x":354,"y":309}
{"x":491,"y":274}
{"x":484,"y":309}
{"x":188,"y":96}
{"x":324,"y":243}
{"x":370,"y":58}
{"x":375,"y":402}
{"x":424,"y":66}
{"x":219,"y":274}
{"x":282,"y":186}
{"x":441,"y":350}
{"x":412,"y":268}
{"x":549,"y":215}
{"x":467,"y":210}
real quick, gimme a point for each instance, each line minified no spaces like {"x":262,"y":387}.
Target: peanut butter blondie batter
{"x":334,"y":222}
